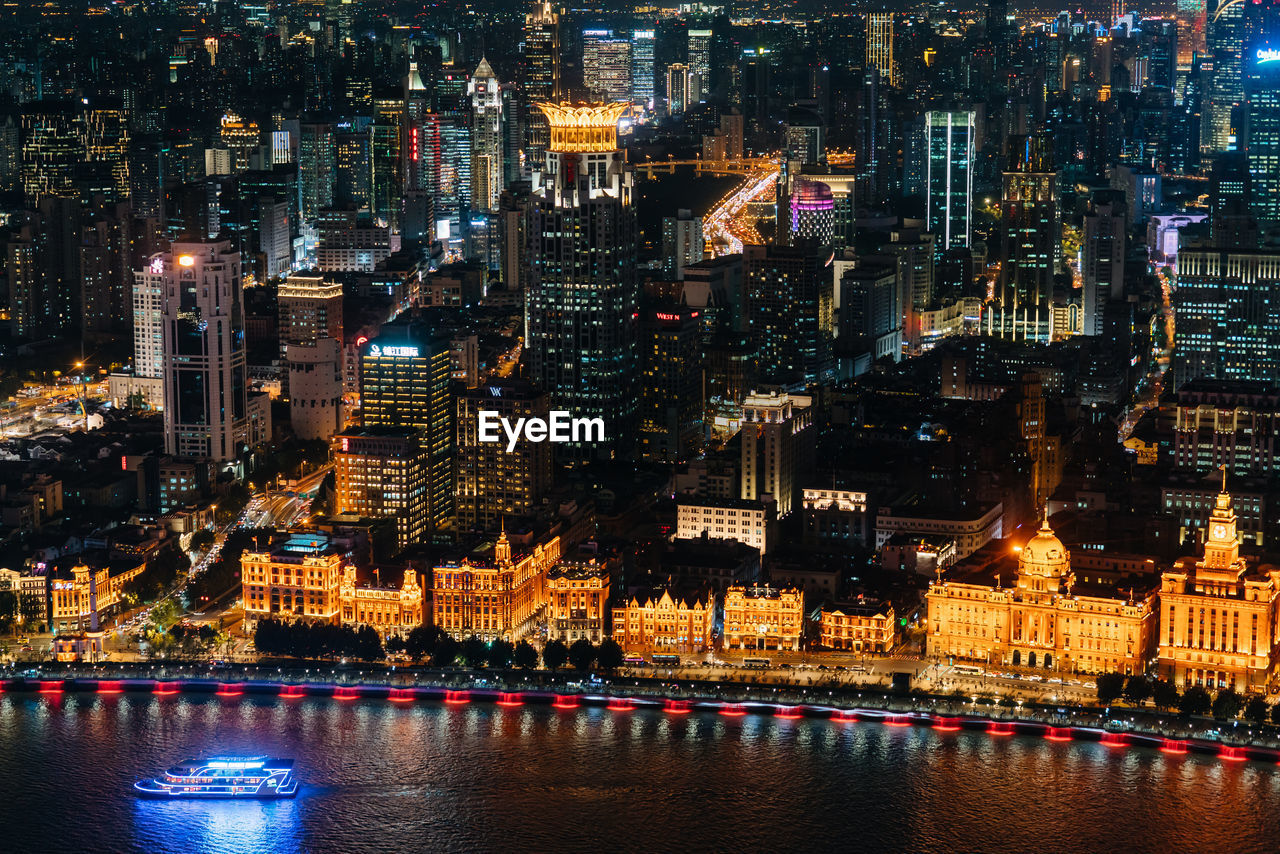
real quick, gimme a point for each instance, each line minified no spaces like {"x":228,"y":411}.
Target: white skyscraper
{"x":148,"y":319}
{"x":486,"y":138}
{"x":205,"y":394}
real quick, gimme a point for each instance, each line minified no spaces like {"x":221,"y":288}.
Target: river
{"x":384,"y":777}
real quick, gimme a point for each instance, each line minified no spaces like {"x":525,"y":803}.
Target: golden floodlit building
{"x":863,"y":626}
{"x":578,"y":601}
{"x":306,"y":577}
{"x":662,"y":621}
{"x":1217,"y":615}
{"x":763,"y":617}
{"x":1045,"y":619}
{"x":493,"y":600}
{"x":390,"y":610}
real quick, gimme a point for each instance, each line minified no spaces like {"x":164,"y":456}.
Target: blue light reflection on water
{"x":379,"y":776}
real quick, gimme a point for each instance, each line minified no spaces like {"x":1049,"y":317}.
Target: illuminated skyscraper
{"x":404,"y":385}
{"x":316,"y":166}
{"x":680,"y":88}
{"x":1102,"y":256}
{"x":700,"y":63}
{"x":205,"y":392}
{"x":1032,"y":235}
{"x":52,"y":147}
{"x":1226,"y":90}
{"x":581,"y":307}
{"x":540,"y":80}
{"x":486,"y":138}
{"x":880,"y":46}
{"x":642,"y":68}
{"x":949,"y":144}
{"x":1262,"y":138}
{"x":606,"y":65}
{"x":495,"y":484}
{"x":813,"y":212}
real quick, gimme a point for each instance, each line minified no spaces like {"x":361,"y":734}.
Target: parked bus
{"x":968,"y":669}
{"x":634,"y":661}
{"x":756,"y":662}
{"x":665,"y":660}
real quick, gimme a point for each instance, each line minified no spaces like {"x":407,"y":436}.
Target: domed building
{"x":1041,"y":616}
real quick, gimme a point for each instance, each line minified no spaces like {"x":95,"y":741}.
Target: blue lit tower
{"x":949,"y":144}
{"x":1262,"y":99}
{"x":582,"y":303}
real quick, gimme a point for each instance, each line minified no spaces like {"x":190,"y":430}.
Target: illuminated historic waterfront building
{"x":1047,"y":618}
{"x":495,"y":599}
{"x":663,"y":621}
{"x":859,"y":626}
{"x":79,"y":598}
{"x":307,"y":577}
{"x":763,"y":617}
{"x":577,"y":601}
{"x":298,"y":579}
{"x":389,"y":610}
{"x":1218,"y":615}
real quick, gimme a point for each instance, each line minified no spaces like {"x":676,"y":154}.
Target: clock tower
{"x":1222,"y":545}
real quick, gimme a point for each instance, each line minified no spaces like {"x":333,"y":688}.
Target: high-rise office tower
{"x":949,"y":149}
{"x":42,"y":261}
{"x":1032,"y":235}
{"x":680,"y":88}
{"x":381,"y":472}
{"x":205,"y":391}
{"x":700,"y":63}
{"x":1228,"y":310}
{"x":148,"y":320}
{"x":1262,"y":137}
{"x":1226,"y":91}
{"x":540,"y":79}
{"x":494,"y":484}
{"x":52,"y":148}
{"x":106,"y":270}
{"x":805,"y":135}
{"x":871,"y":313}
{"x":1190,"y":16}
{"x":880,"y":46}
{"x":777,"y":447}
{"x":682,"y":242}
{"x":790,"y":311}
{"x":386,"y":186}
{"x":404,"y":385}
{"x":642,"y":68}
{"x":670,"y":383}
{"x":1231,"y":220}
{"x":106,"y":149}
{"x":581,"y":304}
{"x":1102,"y":256}
{"x":606,"y":65}
{"x":353,"y":166}
{"x":310,"y":309}
{"x":316,"y":165}
{"x":486,"y":138}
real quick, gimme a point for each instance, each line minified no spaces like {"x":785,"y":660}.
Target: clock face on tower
{"x":1219,"y":532}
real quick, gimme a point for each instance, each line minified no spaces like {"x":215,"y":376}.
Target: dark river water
{"x":380,"y":777}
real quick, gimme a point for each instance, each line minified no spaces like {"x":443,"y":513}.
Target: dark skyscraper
{"x":581,"y":309}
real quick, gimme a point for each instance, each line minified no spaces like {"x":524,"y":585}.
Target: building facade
{"x":494,"y":483}
{"x":1044,"y":618}
{"x":389,"y":610}
{"x":761,"y":617}
{"x":578,"y":601}
{"x":663,"y":621}
{"x":867,"y":627}
{"x":1218,"y":614}
{"x":382,"y":473}
{"x":498,"y":599}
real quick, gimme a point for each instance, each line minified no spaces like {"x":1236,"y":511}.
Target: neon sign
{"x":395,"y":352}
{"x":1268,"y":54}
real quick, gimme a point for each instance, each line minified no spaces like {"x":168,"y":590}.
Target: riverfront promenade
{"x":1115,"y":726}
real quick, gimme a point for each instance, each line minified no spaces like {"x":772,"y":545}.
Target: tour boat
{"x":251,"y":777}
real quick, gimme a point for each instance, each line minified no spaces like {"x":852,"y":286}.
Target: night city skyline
{"x":630,"y":426}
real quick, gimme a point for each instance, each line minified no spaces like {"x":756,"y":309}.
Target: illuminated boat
{"x":249,"y":777}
